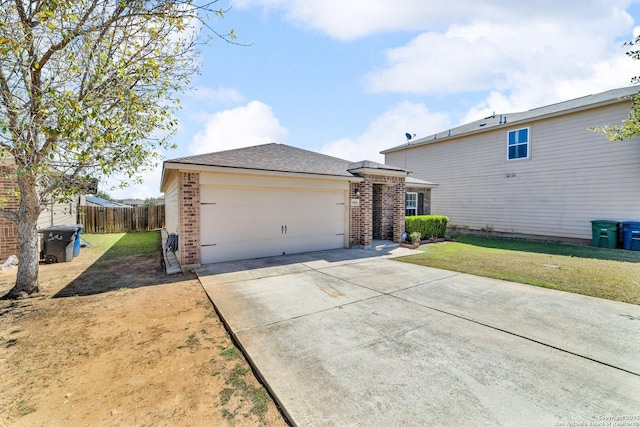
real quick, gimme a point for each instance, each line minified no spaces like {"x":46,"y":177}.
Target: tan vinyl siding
{"x":58,"y":214}
{"x":171,"y":206}
{"x":573,"y":175}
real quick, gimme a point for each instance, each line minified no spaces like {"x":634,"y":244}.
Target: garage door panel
{"x":246,"y":215}
{"x":318,"y":227}
{"x":232,"y":233}
{"x":242,"y":223}
{"x":235,"y":250}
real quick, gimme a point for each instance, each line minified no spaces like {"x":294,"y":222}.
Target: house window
{"x":518,"y":144}
{"x":411,"y":206}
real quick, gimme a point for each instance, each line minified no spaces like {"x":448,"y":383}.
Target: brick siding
{"x":425,"y":209}
{"x":189,"y":211}
{"x":383,"y":199}
{"x":8,"y":229}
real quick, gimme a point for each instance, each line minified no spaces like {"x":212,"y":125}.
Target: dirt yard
{"x":111,"y":341}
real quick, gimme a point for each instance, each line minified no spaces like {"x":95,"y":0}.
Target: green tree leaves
{"x":630,"y":126}
{"x":88,"y":88}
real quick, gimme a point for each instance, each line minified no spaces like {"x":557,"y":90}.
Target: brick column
{"x":399,"y":205}
{"x":189,"y":212}
{"x":366,"y":213}
{"x":354,"y":216}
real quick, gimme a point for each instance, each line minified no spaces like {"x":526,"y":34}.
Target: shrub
{"x":427,"y":225}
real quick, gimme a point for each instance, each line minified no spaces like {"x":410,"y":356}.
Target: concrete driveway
{"x":353,"y":338}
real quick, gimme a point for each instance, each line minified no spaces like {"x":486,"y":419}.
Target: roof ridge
{"x":313,"y":152}
{"x":561,"y":107}
{"x":195,"y":156}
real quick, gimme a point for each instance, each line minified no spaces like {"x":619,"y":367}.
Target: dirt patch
{"x":117,"y":342}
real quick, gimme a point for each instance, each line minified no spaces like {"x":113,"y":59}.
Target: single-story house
{"x":275,"y":199}
{"x":538,"y":173}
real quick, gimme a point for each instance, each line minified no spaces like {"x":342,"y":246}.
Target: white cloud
{"x":520,"y":64}
{"x":348,"y":20}
{"x":244,"y":126}
{"x":524,"y":54}
{"x":220,"y":95}
{"x":388,"y":130}
{"x":358,"y":18}
{"x":499,"y":56}
{"x":538,"y":92}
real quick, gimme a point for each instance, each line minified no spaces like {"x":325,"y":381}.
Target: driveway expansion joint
{"x":496,"y":328}
{"x":302,"y":316}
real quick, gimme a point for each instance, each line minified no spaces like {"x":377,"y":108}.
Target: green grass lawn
{"x":123,"y":244}
{"x":604,"y":273}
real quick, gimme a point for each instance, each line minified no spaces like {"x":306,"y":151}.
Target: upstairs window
{"x":518,"y":144}
{"x":411,"y":205}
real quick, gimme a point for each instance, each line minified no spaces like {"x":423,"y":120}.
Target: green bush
{"x":427,"y":225}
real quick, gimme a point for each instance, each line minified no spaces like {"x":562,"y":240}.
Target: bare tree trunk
{"x":27,"y":222}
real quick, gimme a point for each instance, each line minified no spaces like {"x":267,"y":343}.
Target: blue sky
{"x":348,"y":79}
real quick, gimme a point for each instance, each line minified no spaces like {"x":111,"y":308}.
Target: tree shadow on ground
{"x":552,"y":248}
{"x":130,"y":263}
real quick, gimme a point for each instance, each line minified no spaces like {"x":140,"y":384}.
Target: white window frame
{"x":528,"y":144}
{"x":406,"y":203}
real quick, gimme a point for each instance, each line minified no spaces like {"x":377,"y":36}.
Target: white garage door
{"x":243,"y":223}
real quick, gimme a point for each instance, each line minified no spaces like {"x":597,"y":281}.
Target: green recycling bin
{"x":604,"y":233}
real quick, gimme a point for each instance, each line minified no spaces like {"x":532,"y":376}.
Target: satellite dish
{"x":408,"y":135}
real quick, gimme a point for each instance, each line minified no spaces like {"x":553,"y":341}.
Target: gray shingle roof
{"x":417,"y":182}
{"x":105,"y":203}
{"x":368,"y":164}
{"x":497,"y":120}
{"x":279,"y":158}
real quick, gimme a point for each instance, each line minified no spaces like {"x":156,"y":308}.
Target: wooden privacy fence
{"x":99,"y":220}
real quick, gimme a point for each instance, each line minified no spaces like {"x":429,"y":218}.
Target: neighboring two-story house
{"x":540,"y":173}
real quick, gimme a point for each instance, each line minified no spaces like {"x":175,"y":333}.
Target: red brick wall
{"x":425,"y":209}
{"x":8,"y":230}
{"x":383,"y":202}
{"x":189,"y":211}
{"x":361,"y":218}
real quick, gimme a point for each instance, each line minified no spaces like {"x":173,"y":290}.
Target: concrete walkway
{"x":352,"y":338}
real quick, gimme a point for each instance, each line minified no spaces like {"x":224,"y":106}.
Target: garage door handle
{"x":282,"y":229}
{"x":285,"y":229}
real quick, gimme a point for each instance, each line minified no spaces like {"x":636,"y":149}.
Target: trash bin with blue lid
{"x":631,"y":235}
{"x":58,"y":243}
{"x":604,"y":233}
{"x":76,"y":243}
